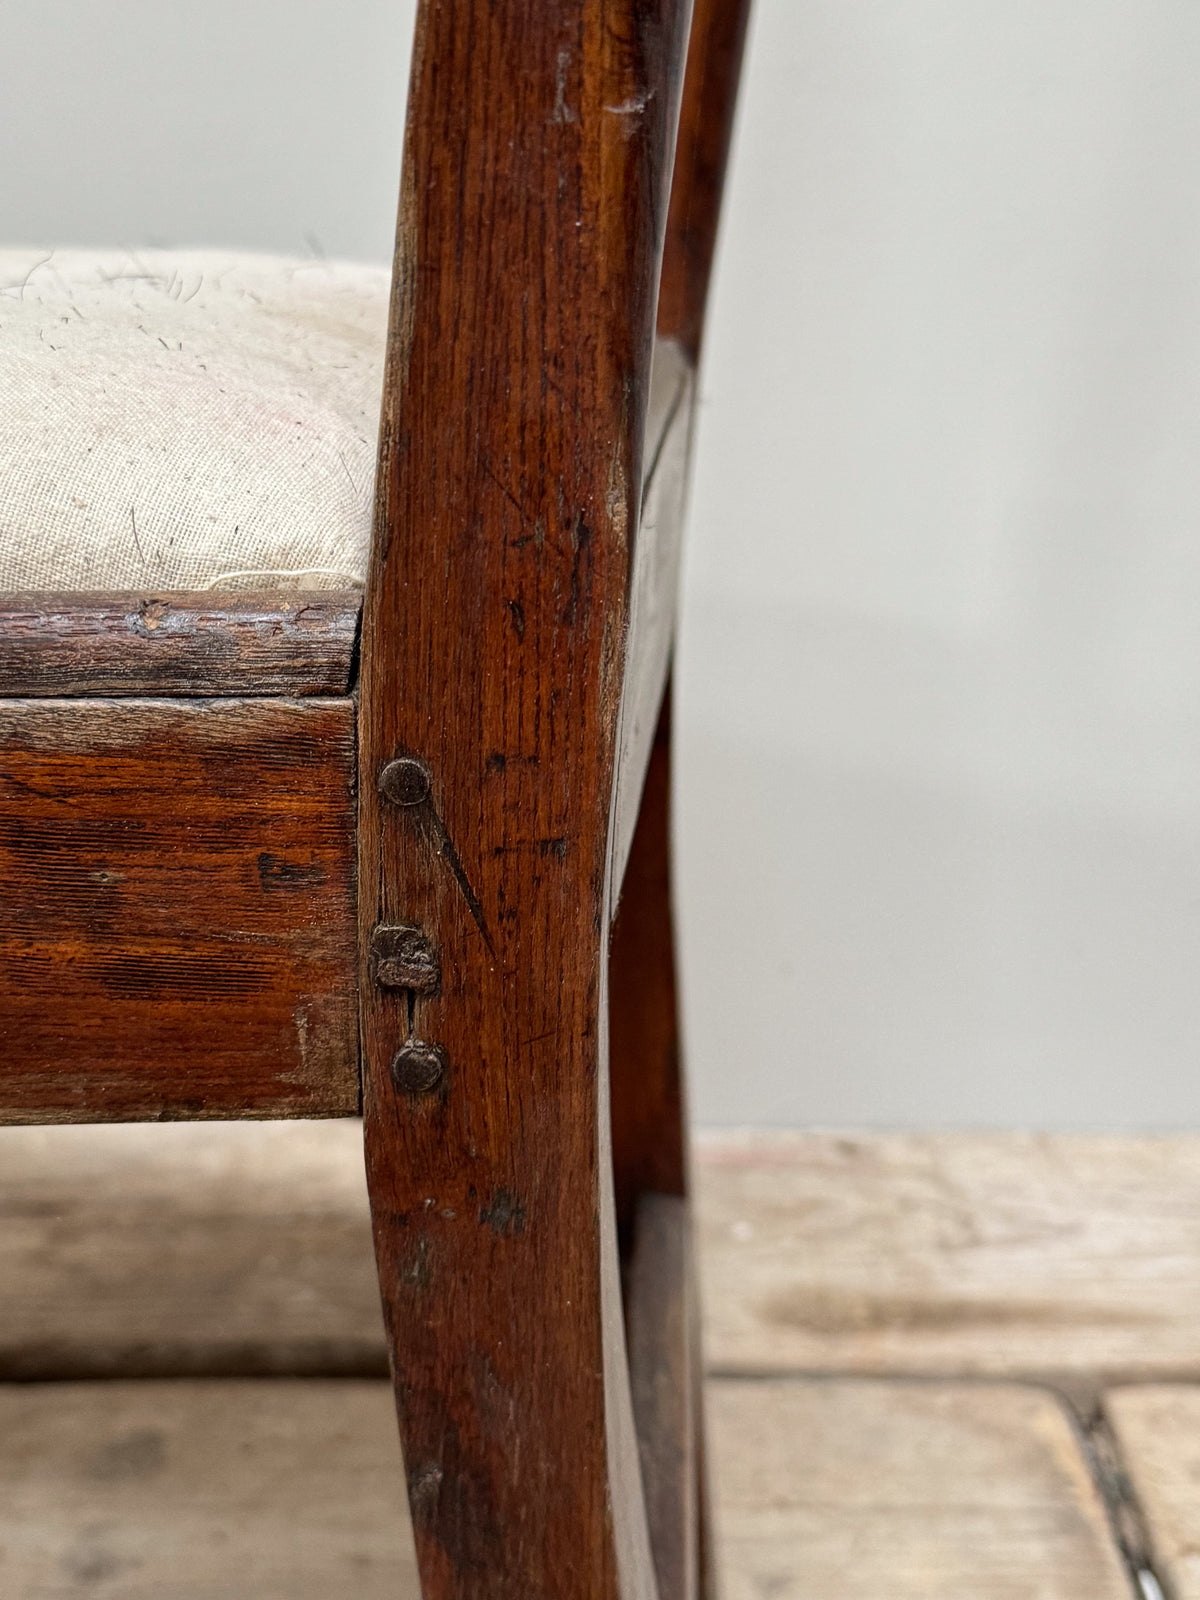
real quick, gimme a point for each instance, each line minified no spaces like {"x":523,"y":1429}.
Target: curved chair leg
{"x":495,"y":1221}
{"x":490,"y":1174}
{"x":508,"y":1368}
{"x":649,"y":1122}
{"x":499,"y":643}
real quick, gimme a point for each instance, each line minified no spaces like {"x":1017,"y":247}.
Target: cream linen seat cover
{"x":186,"y":420}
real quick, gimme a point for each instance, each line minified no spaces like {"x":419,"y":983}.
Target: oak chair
{"x":275,"y":846}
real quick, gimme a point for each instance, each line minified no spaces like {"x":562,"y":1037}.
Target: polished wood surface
{"x":178,"y":644}
{"x":177,"y":820}
{"x":534,"y":197}
{"x":706,"y":120}
{"x":649,"y":1116}
{"x":176,"y":909}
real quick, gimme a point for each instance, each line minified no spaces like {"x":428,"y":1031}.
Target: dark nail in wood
{"x":418,"y":1068}
{"x":405,"y":781}
{"x":403,"y":957}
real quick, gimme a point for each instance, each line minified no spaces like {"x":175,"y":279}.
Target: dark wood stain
{"x":649,"y":1117}
{"x":176,"y":909}
{"x":177,"y":883}
{"x":178,"y":644}
{"x":706,"y":116}
{"x":534,"y":201}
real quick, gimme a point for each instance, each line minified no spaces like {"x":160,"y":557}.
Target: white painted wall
{"x":940,"y":667}
{"x":262,"y":124}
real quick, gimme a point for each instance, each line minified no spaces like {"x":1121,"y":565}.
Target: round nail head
{"x":418,"y":1068}
{"x":405,"y":781}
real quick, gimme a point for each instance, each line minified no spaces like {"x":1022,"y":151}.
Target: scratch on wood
{"x":617,"y":501}
{"x":562,"y":113}
{"x":433,"y":829}
{"x":581,"y":538}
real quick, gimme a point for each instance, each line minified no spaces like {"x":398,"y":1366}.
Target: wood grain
{"x":177,"y":1491}
{"x":706,"y":119}
{"x":176,"y":909}
{"x":648,"y":1114}
{"x":1157,"y":1429}
{"x":178,"y":644}
{"x":286,"y":1491}
{"x":161,"y":1250}
{"x":1070,"y":1258}
{"x":906,"y":1491}
{"x":534,"y":196}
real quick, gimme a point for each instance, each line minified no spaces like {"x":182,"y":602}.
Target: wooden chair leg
{"x":648,"y":1115}
{"x":661,"y":1353}
{"x":500,"y":648}
{"x":490,"y":1174}
{"x":649,"y":1124}
{"x":495,"y":1225}
{"x":508,"y":1357}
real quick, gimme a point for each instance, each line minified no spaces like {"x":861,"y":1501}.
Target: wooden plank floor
{"x":1073,"y":1260}
{"x":202,"y":1490}
{"x":289,"y":1489}
{"x":860,"y":1490}
{"x":941,"y":1366}
{"x":1157,"y":1428}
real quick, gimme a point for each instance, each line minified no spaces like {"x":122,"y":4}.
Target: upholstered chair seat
{"x":186,"y":420}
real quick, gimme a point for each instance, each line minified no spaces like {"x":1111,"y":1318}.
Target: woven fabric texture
{"x":195,"y":420}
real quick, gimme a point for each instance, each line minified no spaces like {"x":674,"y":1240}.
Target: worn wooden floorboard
{"x":1070,"y":1258}
{"x":263,"y":1490}
{"x":246,"y":1248}
{"x":283,"y":1490}
{"x":886,"y":1490}
{"x":1157,"y":1430}
{"x":192,"y":1248}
